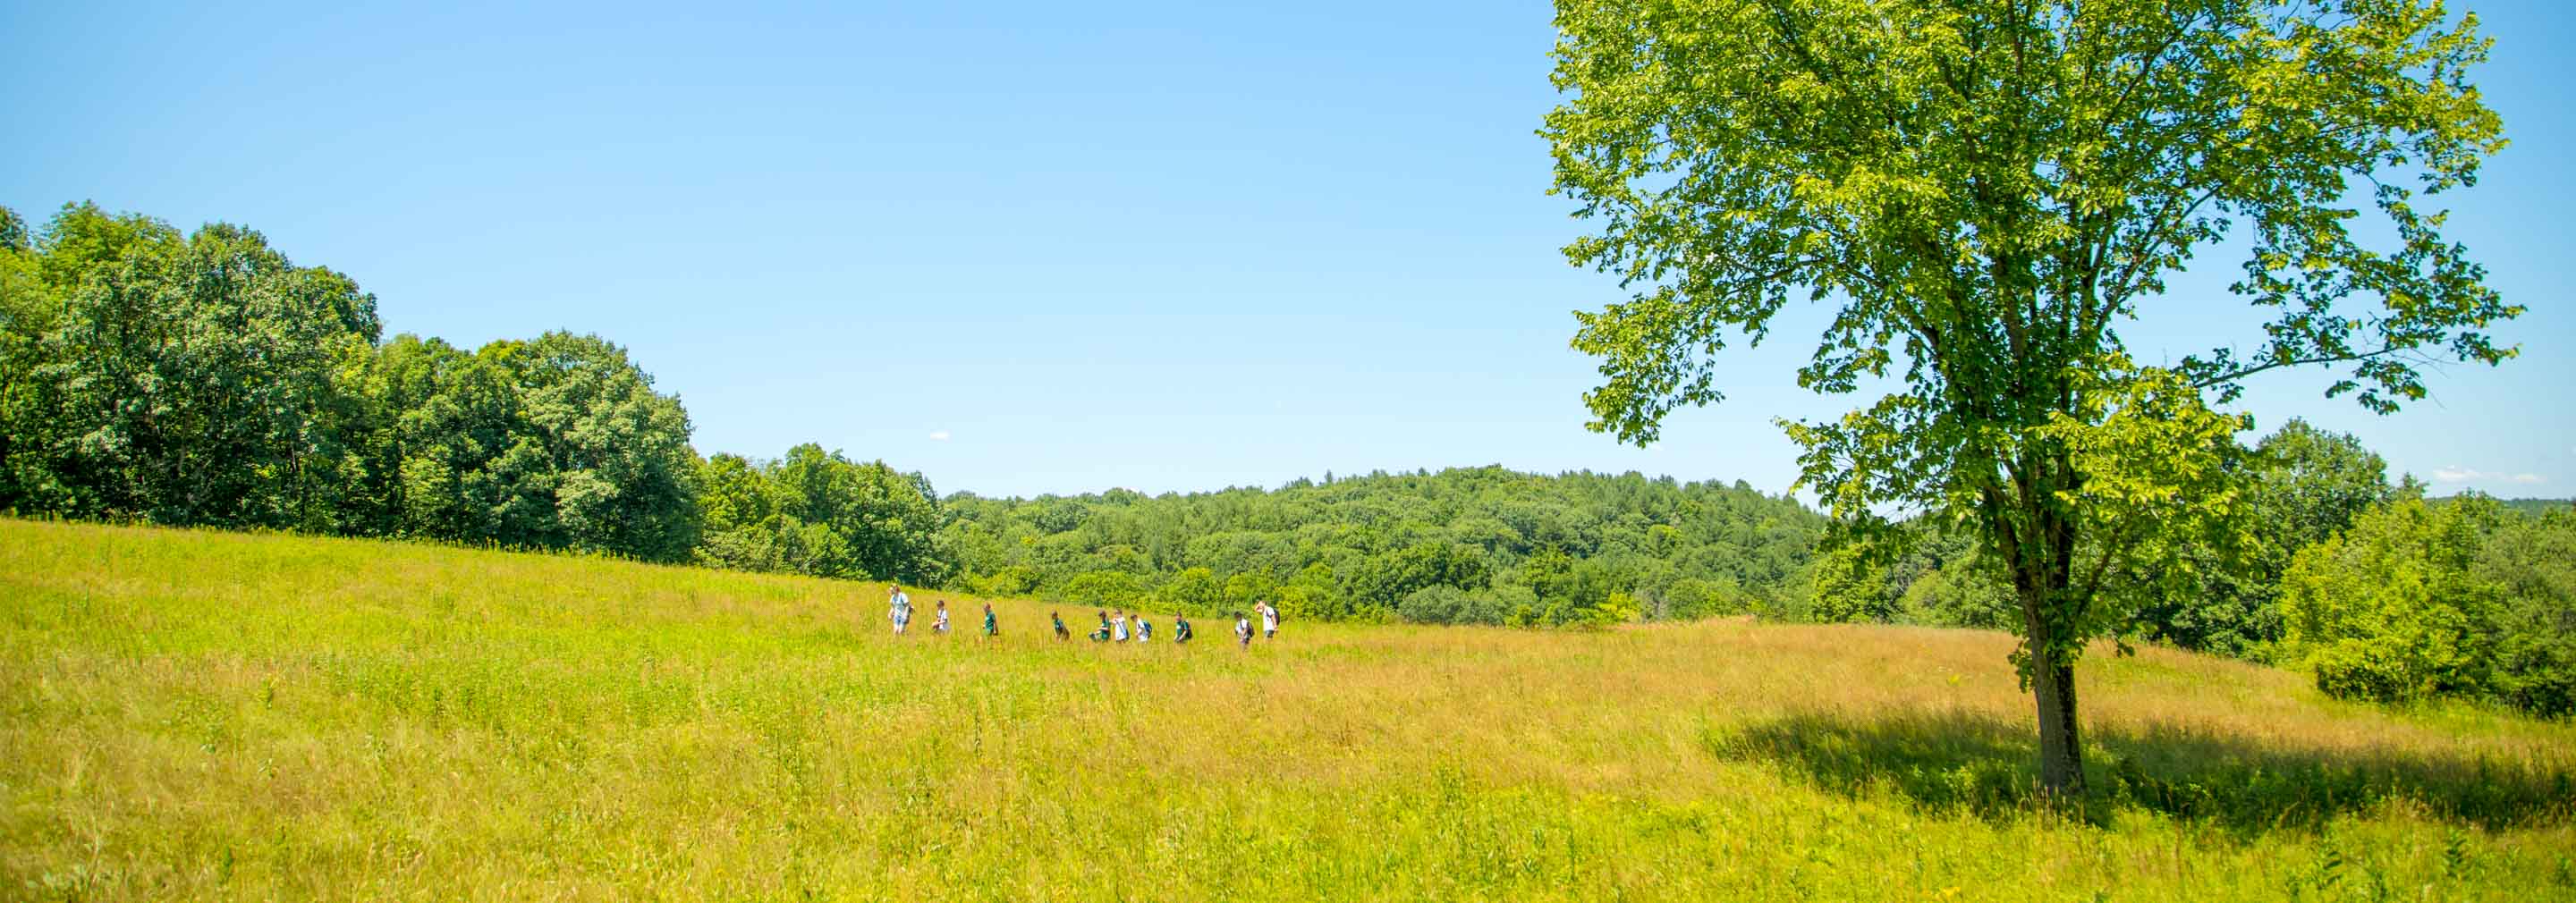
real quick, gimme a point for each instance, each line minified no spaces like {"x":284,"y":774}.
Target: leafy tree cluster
{"x":2464,"y":597}
{"x":2298,"y":487}
{"x":205,"y":379}
{"x":1475,"y":545}
{"x":816,"y":512}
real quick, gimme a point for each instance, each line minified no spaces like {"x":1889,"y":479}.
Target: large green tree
{"x":818,"y":512}
{"x":1985,"y":193}
{"x":189,"y":381}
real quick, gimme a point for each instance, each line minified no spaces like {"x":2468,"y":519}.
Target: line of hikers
{"x":1114,"y":623}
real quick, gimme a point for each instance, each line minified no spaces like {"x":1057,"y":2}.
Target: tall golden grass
{"x":202,"y":715}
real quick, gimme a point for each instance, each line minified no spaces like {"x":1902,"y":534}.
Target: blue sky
{"x":1059,"y":247}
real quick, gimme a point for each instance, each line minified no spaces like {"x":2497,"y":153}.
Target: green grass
{"x":190,"y":715}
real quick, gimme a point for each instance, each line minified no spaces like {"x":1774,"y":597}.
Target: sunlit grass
{"x":211,"y":715}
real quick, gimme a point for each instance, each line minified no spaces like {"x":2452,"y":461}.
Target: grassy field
{"x":193,"y":715}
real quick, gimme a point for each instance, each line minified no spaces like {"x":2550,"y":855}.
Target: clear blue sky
{"x":1057,"y":247}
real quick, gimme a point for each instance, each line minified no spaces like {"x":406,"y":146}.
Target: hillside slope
{"x":210,"y":715}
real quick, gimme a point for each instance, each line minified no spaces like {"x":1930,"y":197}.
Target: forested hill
{"x":2536,"y":506}
{"x":1470,"y":545}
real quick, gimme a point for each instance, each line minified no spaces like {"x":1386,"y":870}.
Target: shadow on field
{"x":1988,"y":766}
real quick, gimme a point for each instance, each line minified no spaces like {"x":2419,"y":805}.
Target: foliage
{"x":205,"y":379}
{"x":2462,"y":598}
{"x":2531,"y":565}
{"x":1481,"y":545}
{"x":2302,"y":485}
{"x":2387,"y":610}
{"x":1986,"y":193}
{"x":185,"y":380}
{"x":819,"y":513}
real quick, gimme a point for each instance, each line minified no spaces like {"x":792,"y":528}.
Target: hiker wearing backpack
{"x":899,"y":610}
{"x":1061,"y":634}
{"x":1269,"y":620}
{"x":1180,"y":628}
{"x":1242,"y":630}
{"x":992,"y":628}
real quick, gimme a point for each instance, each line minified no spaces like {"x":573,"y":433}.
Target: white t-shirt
{"x":1269,"y":618}
{"x":900,"y":605}
{"x":1118,"y":629}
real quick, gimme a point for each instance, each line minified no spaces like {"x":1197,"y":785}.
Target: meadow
{"x":207,"y":715}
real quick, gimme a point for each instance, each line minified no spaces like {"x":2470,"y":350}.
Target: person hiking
{"x":1180,"y":628}
{"x":1060,"y":633}
{"x":1242,"y":630}
{"x":939,"y":624}
{"x":1144,"y":628}
{"x":1118,"y":627}
{"x":1269,"y":620}
{"x":992,"y":628}
{"x":899,"y":610}
{"x":1101,"y":635}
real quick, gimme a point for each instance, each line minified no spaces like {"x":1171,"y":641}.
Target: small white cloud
{"x":2458,"y":474}
{"x":938,"y":435}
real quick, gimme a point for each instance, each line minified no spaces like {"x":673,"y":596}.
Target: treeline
{"x":205,"y":379}
{"x":1482,"y":545}
{"x":2377,"y":591}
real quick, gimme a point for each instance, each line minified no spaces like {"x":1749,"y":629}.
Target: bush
{"x":1451,"y":605}
{"x":2456,"y":598}
{"x":2532,"y":566}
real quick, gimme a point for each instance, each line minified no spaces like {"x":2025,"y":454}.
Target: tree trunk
{"x":2061,"y":751}
{"x":2041,"y":554}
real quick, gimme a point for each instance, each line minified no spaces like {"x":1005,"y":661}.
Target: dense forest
{"x":1483,"y":545}
{"x":205,"y":379}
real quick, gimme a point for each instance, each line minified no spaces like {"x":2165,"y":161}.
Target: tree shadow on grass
{"x":1963,"y":762}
